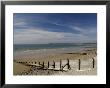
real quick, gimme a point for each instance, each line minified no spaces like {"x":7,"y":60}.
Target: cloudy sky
{"x":43,"y":28}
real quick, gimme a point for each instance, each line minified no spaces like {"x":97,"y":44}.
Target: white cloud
{"x":37,"y":36}
{"x":86,"y":32}
{"x":19,"y":23}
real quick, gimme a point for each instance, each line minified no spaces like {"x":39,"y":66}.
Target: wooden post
{"x":48,"y":64}
{"x":43,"y":64}
{"x":60,"y":64}
{"x":39,"y":63}
{"x":68,"y":64}
{"x":53,"y":64}
{"x":93,"y":62}
{"x":79,"y":64}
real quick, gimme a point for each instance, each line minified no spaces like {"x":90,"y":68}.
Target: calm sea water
{"x":25,"y":47}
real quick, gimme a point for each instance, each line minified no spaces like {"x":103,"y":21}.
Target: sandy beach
{"x":36,"y":62}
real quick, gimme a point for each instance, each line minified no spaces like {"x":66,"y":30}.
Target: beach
{"x":60,"y":61}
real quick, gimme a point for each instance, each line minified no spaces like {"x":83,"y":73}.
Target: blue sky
{"x":43,"y":28}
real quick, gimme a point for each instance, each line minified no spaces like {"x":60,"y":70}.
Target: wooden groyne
{"x":53,"y":65}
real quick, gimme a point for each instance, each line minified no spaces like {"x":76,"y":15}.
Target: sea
{"x":36,"y":47}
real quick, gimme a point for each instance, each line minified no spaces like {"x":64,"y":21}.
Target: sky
{"x":44,"y":28}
